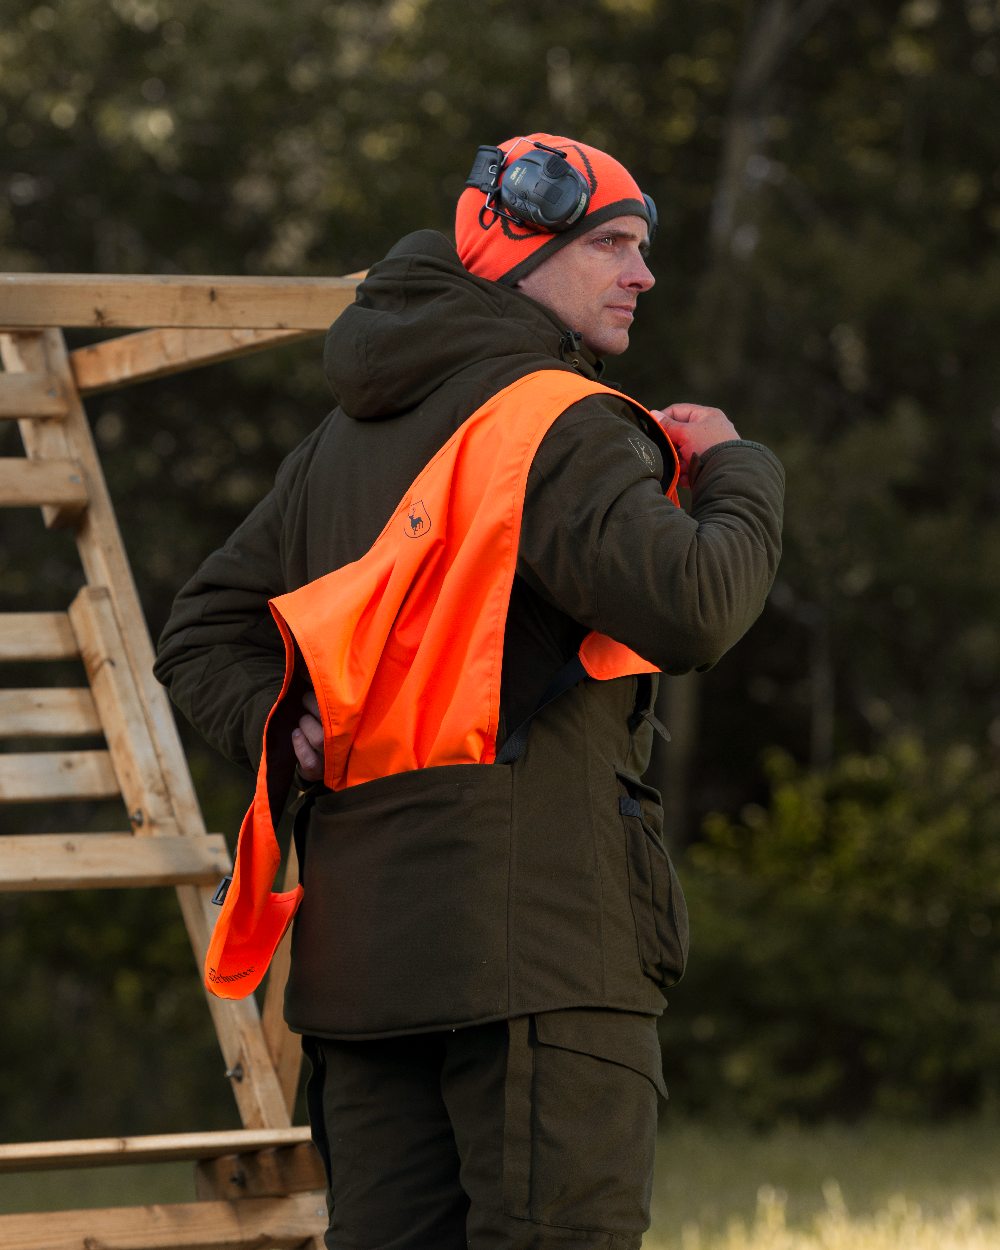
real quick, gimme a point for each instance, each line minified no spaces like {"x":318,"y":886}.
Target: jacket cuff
{"x":699,"y":461}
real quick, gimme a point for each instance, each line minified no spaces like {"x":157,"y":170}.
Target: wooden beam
{"x":30,"y":395}
{"x":48,"y":712}
{"x":284,"y":1046}
{"x":54,"y":776}
{"x":105,"y":301}
{"x":92,"y":861}
{"x":90,"y":1152}
{"x":262,"y":1174}
{"x":276,"y":1223}
{"x":28,"y":483}
{"x":159,"y":353}
{"x":37,"y":636}
{"x":126,"y":731}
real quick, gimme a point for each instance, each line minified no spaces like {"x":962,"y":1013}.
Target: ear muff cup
{"x":542,"y":189}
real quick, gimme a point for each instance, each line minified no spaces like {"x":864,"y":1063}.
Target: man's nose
{"x":638,"y":276}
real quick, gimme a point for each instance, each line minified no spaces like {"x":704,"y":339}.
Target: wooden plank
{"x":284,"y":1046}
{"x":92,"y":1152}
{"x":93,"y":861}
{"x":237,"y":1022}
{"x":111,"y":300}
{"x":262,"y":1174}
{"x":37,"y":636}
{"x":48,"y":712}
{"x":43,"y":440}
{"x":126,"y":730}
{"x":159,"y":353}
{"x":54,"y":776}
{"x":28,"y":483}
{"x":272,"y":1223}
{"x":30,"y":395}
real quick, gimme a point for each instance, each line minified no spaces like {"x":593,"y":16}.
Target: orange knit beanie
{"x":495,"y":247}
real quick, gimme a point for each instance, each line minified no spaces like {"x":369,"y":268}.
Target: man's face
{"x":592,"y":284}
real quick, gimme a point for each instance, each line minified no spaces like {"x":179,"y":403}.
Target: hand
{"x":692,"y":429}
{"x":307,"y":740}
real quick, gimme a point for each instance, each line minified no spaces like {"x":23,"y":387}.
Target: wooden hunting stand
{"x":258,"y":1186}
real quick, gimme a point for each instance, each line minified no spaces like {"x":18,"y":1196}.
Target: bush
{"x":846,"y":943}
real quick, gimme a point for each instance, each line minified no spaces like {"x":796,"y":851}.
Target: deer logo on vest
{"x":417,"y":522}
{"x":645,"y":453}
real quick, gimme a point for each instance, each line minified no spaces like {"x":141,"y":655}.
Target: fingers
{"x":693,"y":428}
{"x":688,"y":412}
{"x":680,"y":438}
{"x":307,"y":741}
{"x":674,"y":412}
{"x":309,"y":760}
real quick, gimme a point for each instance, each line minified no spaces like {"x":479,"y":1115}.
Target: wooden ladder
{"x":257,"y":1186}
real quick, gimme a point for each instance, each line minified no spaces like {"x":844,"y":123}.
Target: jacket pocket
{"x":403,"y":923}
{"x":658,"y":907}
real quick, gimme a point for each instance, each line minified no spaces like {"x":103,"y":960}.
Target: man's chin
{"x":612,"y":344}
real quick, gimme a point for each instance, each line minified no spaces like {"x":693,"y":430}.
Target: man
{"x":489,"y":916}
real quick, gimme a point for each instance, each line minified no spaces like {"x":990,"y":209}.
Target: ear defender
{"x":654,"y":219}
{"x":540,"y":189}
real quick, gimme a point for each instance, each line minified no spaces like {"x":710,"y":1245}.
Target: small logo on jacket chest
{"x":416,"y":523}
{"x":643,"y":450}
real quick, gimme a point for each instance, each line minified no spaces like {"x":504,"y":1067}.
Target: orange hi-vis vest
{"x":404,"y":647}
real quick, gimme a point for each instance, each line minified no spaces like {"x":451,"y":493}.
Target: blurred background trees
{"x":828,"y":273}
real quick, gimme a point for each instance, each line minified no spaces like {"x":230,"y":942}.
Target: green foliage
{"x":846,"y":943}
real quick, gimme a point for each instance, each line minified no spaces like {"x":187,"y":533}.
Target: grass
{"x":869,"y":1187}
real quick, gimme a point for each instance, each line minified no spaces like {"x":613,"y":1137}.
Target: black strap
{"x":643,"y":711}
{"x":564,"y":680}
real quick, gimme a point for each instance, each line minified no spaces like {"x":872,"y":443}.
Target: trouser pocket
{"x":580,"y":1120}
{"x":658,"y":906}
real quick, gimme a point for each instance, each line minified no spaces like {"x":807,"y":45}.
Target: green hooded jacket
{"x":458,"y":895}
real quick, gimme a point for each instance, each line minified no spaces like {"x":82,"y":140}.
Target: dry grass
{"x":900,"y":1225}
{"x":875,"y":1187}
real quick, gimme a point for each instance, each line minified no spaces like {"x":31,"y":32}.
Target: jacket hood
{"x":420,"y":318}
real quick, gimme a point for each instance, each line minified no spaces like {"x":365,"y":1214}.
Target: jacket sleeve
{"x":220,"y":655}
{"x":600,"y":541}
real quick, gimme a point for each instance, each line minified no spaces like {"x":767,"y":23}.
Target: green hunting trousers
{"x":522,"y":1134}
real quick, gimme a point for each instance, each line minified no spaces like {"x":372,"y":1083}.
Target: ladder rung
{"x":98,"y":1151}
{"x":79,"y":861}
{"x":31,"y":395}
{"x":50,"y":776}
{"x":48,"y":713}
{"x":288,"y":1223}
{"x":37,"y":636}
{"x":28,"y":483}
